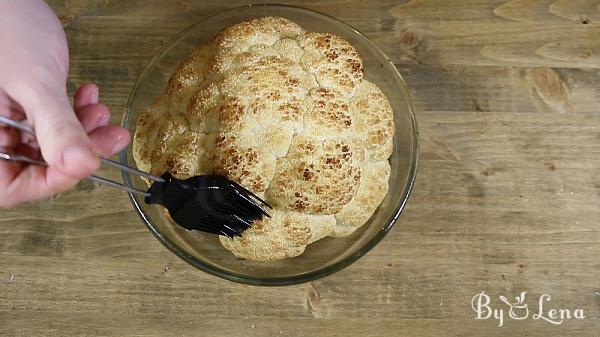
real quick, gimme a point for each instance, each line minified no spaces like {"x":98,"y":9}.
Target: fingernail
{"x":103,"y":118}
{"x":94,"y":96}
{"x":120,"y":144}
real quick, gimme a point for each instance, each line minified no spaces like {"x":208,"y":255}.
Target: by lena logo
{"x":519,"y":309}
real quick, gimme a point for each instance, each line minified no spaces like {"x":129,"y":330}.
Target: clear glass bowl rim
{"x":285,"y":280}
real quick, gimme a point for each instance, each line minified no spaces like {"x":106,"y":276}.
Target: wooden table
{"x":507,"y":196}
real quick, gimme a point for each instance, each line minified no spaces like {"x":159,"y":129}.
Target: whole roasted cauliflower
{"x":287,"y":114}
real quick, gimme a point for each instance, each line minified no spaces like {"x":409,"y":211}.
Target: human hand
{"x":33,"y":74}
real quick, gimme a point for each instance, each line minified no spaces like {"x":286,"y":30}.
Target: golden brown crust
{"x":285,"y":234}
{"x":202,"y":109}
{"x":288,"y":115}
{"x":372,"y":190}
{"x":316,"y":177}
{"x":376,"y":120}
{"x":243,"y":161}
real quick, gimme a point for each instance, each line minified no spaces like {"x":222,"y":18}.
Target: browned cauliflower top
{"x":287,"y":114}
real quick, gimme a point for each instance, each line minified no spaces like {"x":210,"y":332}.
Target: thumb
{"x":65,"y":145}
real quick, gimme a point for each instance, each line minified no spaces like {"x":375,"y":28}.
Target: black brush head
{"x":208,"y":203}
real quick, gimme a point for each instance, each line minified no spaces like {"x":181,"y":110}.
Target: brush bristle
{"x":211,"y":204}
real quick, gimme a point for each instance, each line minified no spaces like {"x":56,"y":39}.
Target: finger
{"x":29,"y":139}
{"x":34,"y":182}
{"x":29,"y":151}
{"x":9,"y":137}
{"x":10,"y":108}
{"x":93,"y":116}
{"x":26,"y":182}
{"x":64,"y":143}
{"x":86,"y":94}
{"x":109,"y":140}
{"x":8,"y":171}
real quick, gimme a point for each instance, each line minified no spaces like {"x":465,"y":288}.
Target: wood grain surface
{"x":507,"y":196}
